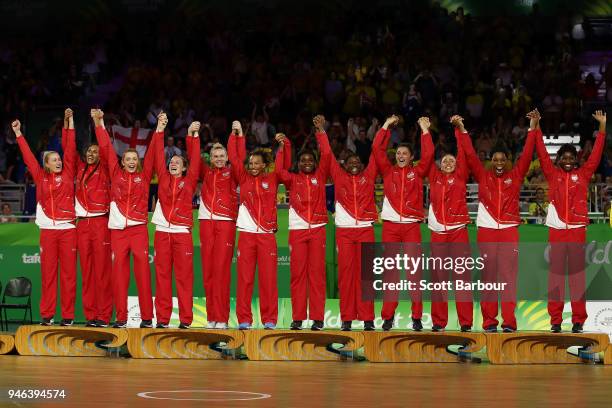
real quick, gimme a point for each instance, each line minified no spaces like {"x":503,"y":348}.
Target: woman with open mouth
{"x":173,"y":219}
{"x":127,"y":221}
{"x":55,"y":218}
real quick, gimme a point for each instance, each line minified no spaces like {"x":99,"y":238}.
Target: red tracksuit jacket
{"x":92,"y":182}
{"x":219,"y":190}
{"x":130,"y":191}
{"x":176,"y":193}
{"x":354,"y":192}
{"x":499,"y":195}
{"x":306,"y":191}
{"x":54,"y":191}
{"x":447,"y":192}
{"x":403,"y":186}
{"x":568,"y":191}
{"x":258,"y":194}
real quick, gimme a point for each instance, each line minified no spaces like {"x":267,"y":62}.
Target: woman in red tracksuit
{"x":257,"y":225}
{"x":173,"y":219}
{"x":93,"y":236}
{"x":567,"y":220}
{"x":447,"y":220}
{"x":55,"y":218}
{"x":498,"y":220}
{"x":217,"y":214}
{"x":307,"y":220}
{"x":355,"y":215}
{"x":128,"y":224}
{"x":402,"y":210}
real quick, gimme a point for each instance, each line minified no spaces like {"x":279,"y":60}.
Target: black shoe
{"x":437,"y":328}
{"x":296,"y":325}
{"x":346,"y":326}
{"x":388,"y":324}
{"x":317,"y":325}
{"x":120,"y":324}
{"x":508,"y":330}
{"x":577,"y":328}
{"x":162,"y":326}
{"x":555,"y":328}
{"x":491,"y":329}
{"x":91,"y":323}
{"x":66,"y":322}
{"x":368,"y":325}
{"x":146,"y":324}
{"x":46,"y":321}
{"x":466,"y":328}
{"x":417,"y":325}
{"x":184,"y":326}
{"x":101,"y":323}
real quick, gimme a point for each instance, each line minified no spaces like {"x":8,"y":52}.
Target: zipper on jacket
{"x":354,"y":198}
{"x":566,"y":200}
{"x":258,"y":203}
{"x":444,"y":204}
{"x":85,"y":194}
{"x":52,"y":200}
{"x":498,"y":201}
{"x":402,"y":193}
{"x":127,"y":208}
{"x":309,"y":211}
{"x":172,"y":209}
{"x":214,"y":194}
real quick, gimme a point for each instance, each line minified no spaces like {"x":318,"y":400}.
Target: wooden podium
{"x":188,"y":344}
{"x":420,"y":347}
{"x":68,"y":341}
{"x":301,"y":345}
{"x":545,"y":348}
{"x":7,"y":343}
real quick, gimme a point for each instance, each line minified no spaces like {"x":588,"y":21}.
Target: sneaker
{"x":101,"y":323}
{"x":508,"y":330}
{"x":211,"y":325}
{"x":244,"y":326}
{"x":417,"y":325}
{"x":146,"y":324}
{"x":91,"y":323}
{"x":491,"y":329}
{"x":577,"y":328}
{"x":317,"y":325}
{"x":269,"y":326}
{"x":346,"y":326}
{"x":120,"y":324}
{"x":66,"y":322}
{"x":555,"y":328}
{"x":184,"y":326}
{"x":466,"y":328}
{"x":162,"y":326}
{"x":46,"y":321}
{"x":296,"y":325}
{"x":437,"y":328}
{"x":221,"y":325}
{"x":368,"y":325}
{"x":387,"y":324}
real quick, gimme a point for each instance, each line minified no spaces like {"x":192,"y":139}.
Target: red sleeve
{"x":462,"y":169}
{"x":193,"y":155}
{"x":379,"y":150}
{"x":160,"y":157}
{"x":203,"y":169}
{"x":372,"y":169}
{"x":149,"y":159}
{"x":235,"y":157}
{"x":472,"y":160}
{"x":107,"y":152}
{"x":522,"y":164}
{"x":70,"y":153}
{"x":324,"y":159}
{"x":326,"y":152}
{"x":595,"y":157}
{"x":546,"y":163}
{"x":29,"y":159}
{"x":282,"y":164}
{"x":65,"y":135}
{"x":427,"y":153}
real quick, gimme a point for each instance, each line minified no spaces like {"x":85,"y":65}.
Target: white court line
{"x":255,"y":395}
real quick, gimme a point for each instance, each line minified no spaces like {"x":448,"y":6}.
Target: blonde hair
{"x":217,"y":146}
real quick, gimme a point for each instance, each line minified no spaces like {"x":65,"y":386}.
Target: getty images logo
{"x":30,"y":259}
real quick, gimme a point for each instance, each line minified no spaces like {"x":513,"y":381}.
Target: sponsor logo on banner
{"x":600,"y":317}
{"x":134,"y":311}
{"x":283,"y":260}
{"x":30,"y":259}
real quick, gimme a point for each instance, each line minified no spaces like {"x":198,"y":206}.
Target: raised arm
{"x":427,"y":147}
{"x":157,"y":147}
{"x":282,"y":163}
{"x":150,"y":159}
{"x":321,"y":136}
{"x":28,"y":158}
{"x":107,"y":152}
{"x":595,"y":157}
{"x":380,"y":143}
{"x":463,"y":171}
{"x":471,"y":158}
{"x":193,"y":151}
{"x":236,"y":151}
{"x":523,"y":162}
{"x":68,"y":131}
{"x":546,"y":164}
{"x":326,"y":152}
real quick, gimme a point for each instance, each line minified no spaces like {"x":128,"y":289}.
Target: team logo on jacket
{"x":58,"y":179}
{"x":137,"y":179}
{"x":314,"y":181}
{"x":574,"y":178}
{"x":508,"y":181}
{"x":265,"y":185}
{"x":451,"y":180}
{"x":410,"y":175}
{"x":181,"y":184}
{"x":226,"y":174}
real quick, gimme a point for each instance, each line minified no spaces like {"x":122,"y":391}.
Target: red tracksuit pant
{"x":58,"y":246}
{"x":567,"y":247}
{"x":217,"y":249}
{"x":499,"y":248}
{"x":453,"y":244}
{"x":94,"y":245}
{"x":173,"y":250}
{"x":307,"y":248}
{"x":348,"y":243}
{"x":257,"y":250}
{"x":404,"y":233}
{"x":134,"y":240}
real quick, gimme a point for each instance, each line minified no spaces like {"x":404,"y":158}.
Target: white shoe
{"x":211,"y":325}
{"x":221,"y":325}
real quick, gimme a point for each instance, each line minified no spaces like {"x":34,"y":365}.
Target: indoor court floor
{"x":121,"y":382}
